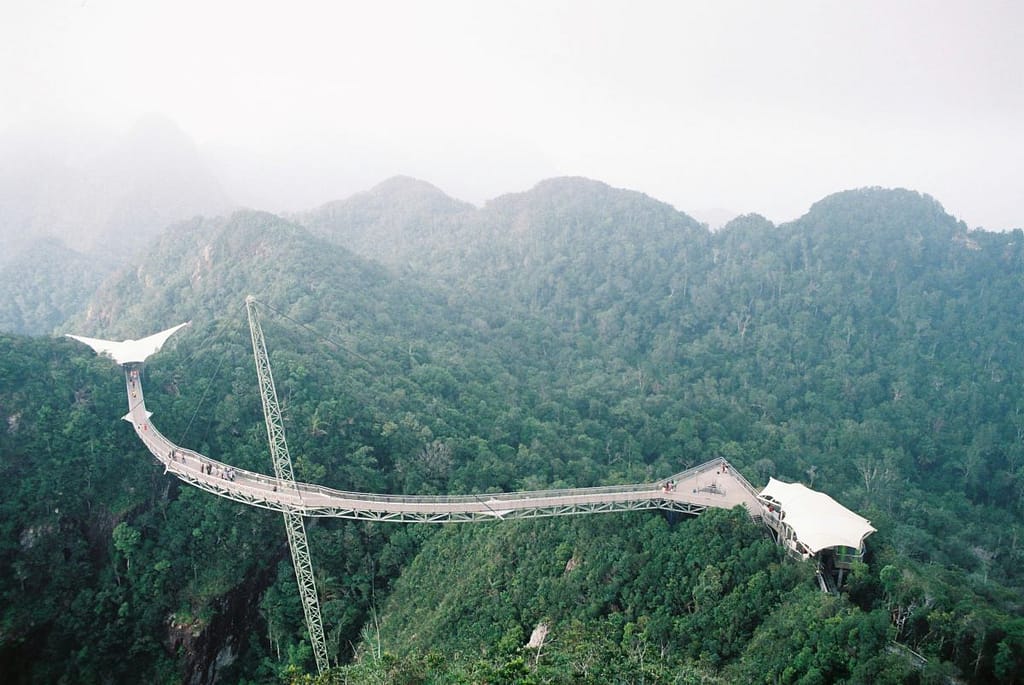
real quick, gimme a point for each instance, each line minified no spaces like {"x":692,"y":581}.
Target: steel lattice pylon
{"x":283,"y":470}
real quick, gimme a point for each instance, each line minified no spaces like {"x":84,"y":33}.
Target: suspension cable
{"x":212,"y":383}
{"x":317,"y":334}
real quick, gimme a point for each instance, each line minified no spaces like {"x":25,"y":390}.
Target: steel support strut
{"x":283,"y":470}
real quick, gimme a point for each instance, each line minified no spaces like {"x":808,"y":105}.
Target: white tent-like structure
{"x":809,"y":521}
{"x":129,"y":351}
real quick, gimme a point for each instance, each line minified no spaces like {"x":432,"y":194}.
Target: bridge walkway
{"x":712,"y":484}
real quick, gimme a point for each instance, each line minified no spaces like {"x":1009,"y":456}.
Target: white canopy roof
{"x":128,"y":350}
{"x":818,"y":520}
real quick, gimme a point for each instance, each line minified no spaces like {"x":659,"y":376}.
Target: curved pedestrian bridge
{"x":712,"y":484}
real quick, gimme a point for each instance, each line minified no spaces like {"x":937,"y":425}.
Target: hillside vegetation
{"x":574,"y":334}
{"x":45,"y":285}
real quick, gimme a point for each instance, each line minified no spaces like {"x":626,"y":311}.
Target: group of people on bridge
{"x":225,"y":472}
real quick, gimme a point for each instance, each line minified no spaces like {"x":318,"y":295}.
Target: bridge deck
{"x":713,"y":484}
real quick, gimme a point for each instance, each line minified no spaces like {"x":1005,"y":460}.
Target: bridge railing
{"x":163,"y":448}
{"x":717,"y":462}
{"x":259,"y":485}
{"x":744,"y":482}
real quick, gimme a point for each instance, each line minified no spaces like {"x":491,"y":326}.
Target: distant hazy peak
{"x":398,"y":192}
{"x":563,"y":183}
{"x":583,"y":196}
{"x":752,"y":221}
{"x":876,"y":199}
{"x":124,"y":192}
{"x":156,"y":148}
{"x":884,"y":214}
{"x":565,"y":186}
{"x":406,"y":184}
{"x":571,"y":189}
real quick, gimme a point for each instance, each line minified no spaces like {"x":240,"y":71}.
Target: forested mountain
{"x":576,"y":249}
{"x":575,"y":334}
{"x":399,"y":222}
{"x":45,"y":285}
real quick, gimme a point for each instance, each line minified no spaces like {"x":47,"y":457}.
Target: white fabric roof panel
{"x":818,"y":520}
{"x":129,"y":350}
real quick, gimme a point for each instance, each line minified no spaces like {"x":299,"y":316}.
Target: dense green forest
{"x":46,"y":284}
{"x":571,"y":335}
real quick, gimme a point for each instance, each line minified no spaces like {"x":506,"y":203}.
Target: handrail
{"x":308,"y":496}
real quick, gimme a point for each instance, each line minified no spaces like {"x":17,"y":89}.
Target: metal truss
{"x":504,"y":515}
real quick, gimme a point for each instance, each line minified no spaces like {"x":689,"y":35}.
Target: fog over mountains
{"x":105,"y":194}
{"x":101,"y":194}
{"x":73,"y":209}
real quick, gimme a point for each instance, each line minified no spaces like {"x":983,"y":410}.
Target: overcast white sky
{"x":749,"y":106}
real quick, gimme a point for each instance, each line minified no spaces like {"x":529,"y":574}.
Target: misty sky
{"x":750,"y":106}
